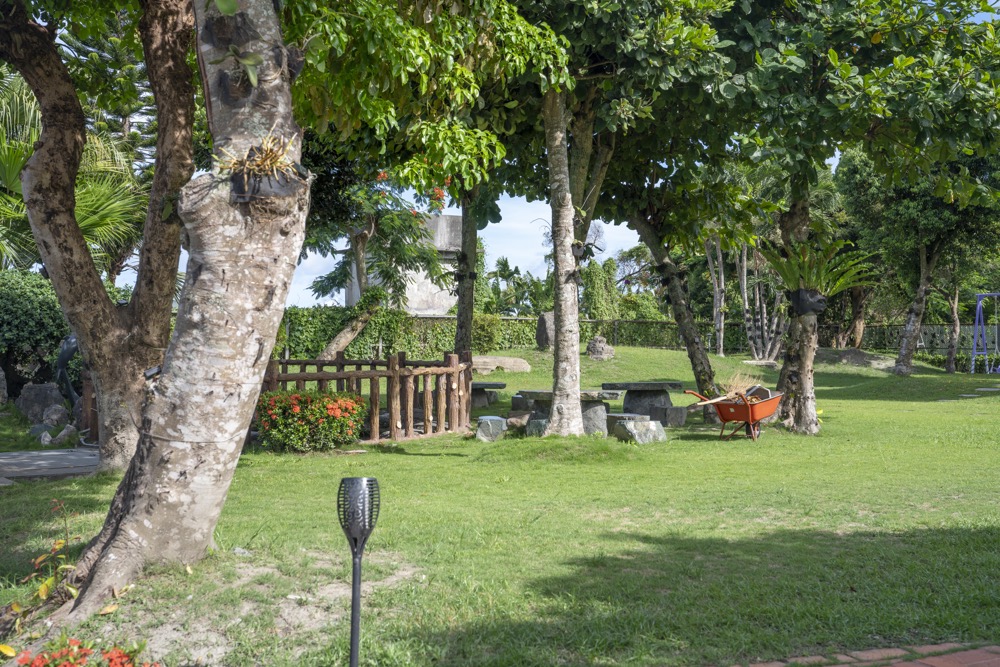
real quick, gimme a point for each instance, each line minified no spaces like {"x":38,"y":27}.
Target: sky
{"x":519,"y":237}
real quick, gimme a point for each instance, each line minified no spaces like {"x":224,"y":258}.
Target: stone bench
{"x":615,"y":417}
{"x":491,"y":429}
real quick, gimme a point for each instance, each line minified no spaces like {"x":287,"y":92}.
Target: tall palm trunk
{"x":910,"y":336}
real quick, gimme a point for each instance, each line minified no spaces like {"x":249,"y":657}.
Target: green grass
{"x":882,"y":530}
{"x":14,"y":435}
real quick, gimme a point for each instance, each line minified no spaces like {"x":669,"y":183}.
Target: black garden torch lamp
{"x":357,"y":507}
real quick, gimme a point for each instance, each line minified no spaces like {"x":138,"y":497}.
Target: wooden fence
{"x":442,"y":389}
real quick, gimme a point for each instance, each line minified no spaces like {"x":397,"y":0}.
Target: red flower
{"x":296,"y":408}
{"x":381,"y":176}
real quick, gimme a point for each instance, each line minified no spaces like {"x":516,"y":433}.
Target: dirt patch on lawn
{"x":828,"y":355}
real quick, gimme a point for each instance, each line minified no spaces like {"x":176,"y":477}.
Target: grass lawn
{"x":882,"y":530}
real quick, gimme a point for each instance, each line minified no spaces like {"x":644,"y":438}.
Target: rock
{"x":545,"y":333}
{"x":46,"y":439}
{"x":517,"y":420}
{"x":669,"y":416}
{"x":38,"y":429}
{"x":67,"y":436}
{"x":536,"y":428}
{"x":491,"y":429}
{"x":240,"y":551}
{"x":641,"y":432}
{"x":521,"y":404}
{"x":486,"y":365}
{"x":55,"y":415}
{"x":3,"y":387}
{"x":599,"y":350}
{"x":35,"y":398}
{"x":595,"y":417}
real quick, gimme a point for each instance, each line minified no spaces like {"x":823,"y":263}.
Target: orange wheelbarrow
{"x":748,"y":409}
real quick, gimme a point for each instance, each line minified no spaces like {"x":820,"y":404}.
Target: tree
{"x":915,"y":231}
{"x":109,"y":197}
{"x":600,"y":297}
{"x":910,"y":80}
{"x":118,"y":341}
{"x":623,"y":59}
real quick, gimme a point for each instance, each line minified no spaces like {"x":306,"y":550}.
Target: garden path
{"x":47,"y":463}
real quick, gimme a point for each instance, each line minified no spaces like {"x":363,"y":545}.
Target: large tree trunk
{"x":465,"y":273}
{"x":242,"y":256}
{"x":763,"y":331}
{"x":116,"y":342}
{"x":955,"y":333}
{"x":914,"y":318}
{"x":856,"y":329}
{"x":717,"y":271}
{"x":566,"y":417}
{"x":587,"y":166}
{"x":704,"y":376}
{"x":798,"y":405}
{"x":359,"y":245}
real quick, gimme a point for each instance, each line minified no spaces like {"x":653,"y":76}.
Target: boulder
{"x":545,"y":332}
{"x":615,"y":417}
{"x":35,"y":398}
{"x":599,"y":350}
{"x":536,"y":428}
{"x":517,"y":420}
{"x":67,"y":436}
{"x":46,"y":439}
{"x":595,"y":417}
{"x":641,"y":432}
{"x":491,"y":429}
{"x":487,"y":364}
{"x":55,"y":415}
{"x":3,"y":387}
{"x":38,"y":429}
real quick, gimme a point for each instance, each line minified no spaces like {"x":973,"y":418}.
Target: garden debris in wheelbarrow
{"x":748,"y":409}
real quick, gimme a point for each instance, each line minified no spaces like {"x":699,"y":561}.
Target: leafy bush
{"x":486,"y":334}
{"x":963,"y":361}
{"x":66,"y":652}
{"x":31,"y":327}
{"x":306,"y":421}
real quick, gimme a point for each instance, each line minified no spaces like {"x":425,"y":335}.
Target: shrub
{"x":67,"y":652}
{"x":306,"y":421}
{"x":486,"y":333}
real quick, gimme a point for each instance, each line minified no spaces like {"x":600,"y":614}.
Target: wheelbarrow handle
{"x":694,"y":393}
{"x":708,"y":401}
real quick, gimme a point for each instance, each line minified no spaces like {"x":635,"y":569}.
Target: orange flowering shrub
{"x":306,"y":421}
{"x":69,"y":652}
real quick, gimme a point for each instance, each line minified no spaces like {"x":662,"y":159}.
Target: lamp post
{"x":357,"y":508}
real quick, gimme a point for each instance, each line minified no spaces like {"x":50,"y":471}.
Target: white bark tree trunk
{"x":566,"y":417}
{"x":242,"y":256}
{"x":915,"y":317}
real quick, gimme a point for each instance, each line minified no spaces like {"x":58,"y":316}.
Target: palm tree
{"x":110,"y":201}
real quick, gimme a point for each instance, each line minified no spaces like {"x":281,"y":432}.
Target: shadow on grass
{"x":654,"y":600}
{"x":27,"y":512}
{"x":399,"y":449}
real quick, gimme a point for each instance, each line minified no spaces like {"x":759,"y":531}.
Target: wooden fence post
{"x":428,"y":406}
{"x":408,"y":405}
{"x":465,"y":388}
{"x":374,"y":389}
{"x":270,"y":376}
{"x":404,"y":415}
{"x":454,"y":398}
{"x":441,"y":386}
{"x":392,"y":394}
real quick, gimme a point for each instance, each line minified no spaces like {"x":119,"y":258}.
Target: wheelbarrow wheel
{"x":753,"y":431}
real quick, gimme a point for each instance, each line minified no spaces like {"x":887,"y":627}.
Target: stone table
{"x":485,"y":393}
{"x":592,"y":404}
{"x":642,"y":397}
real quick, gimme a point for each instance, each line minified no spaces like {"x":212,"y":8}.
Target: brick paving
{"x":933,"y":655}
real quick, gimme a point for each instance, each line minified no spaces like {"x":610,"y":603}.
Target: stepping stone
{"x":491,"y":429}
{"x":968,"y":395}
{"x":988,"y":389}
{"x":5,"y":482}
{"x":947,"y":400}
{"x":641,"y":432}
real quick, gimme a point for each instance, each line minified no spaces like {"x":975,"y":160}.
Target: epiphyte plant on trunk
{"x":809,"y":272}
